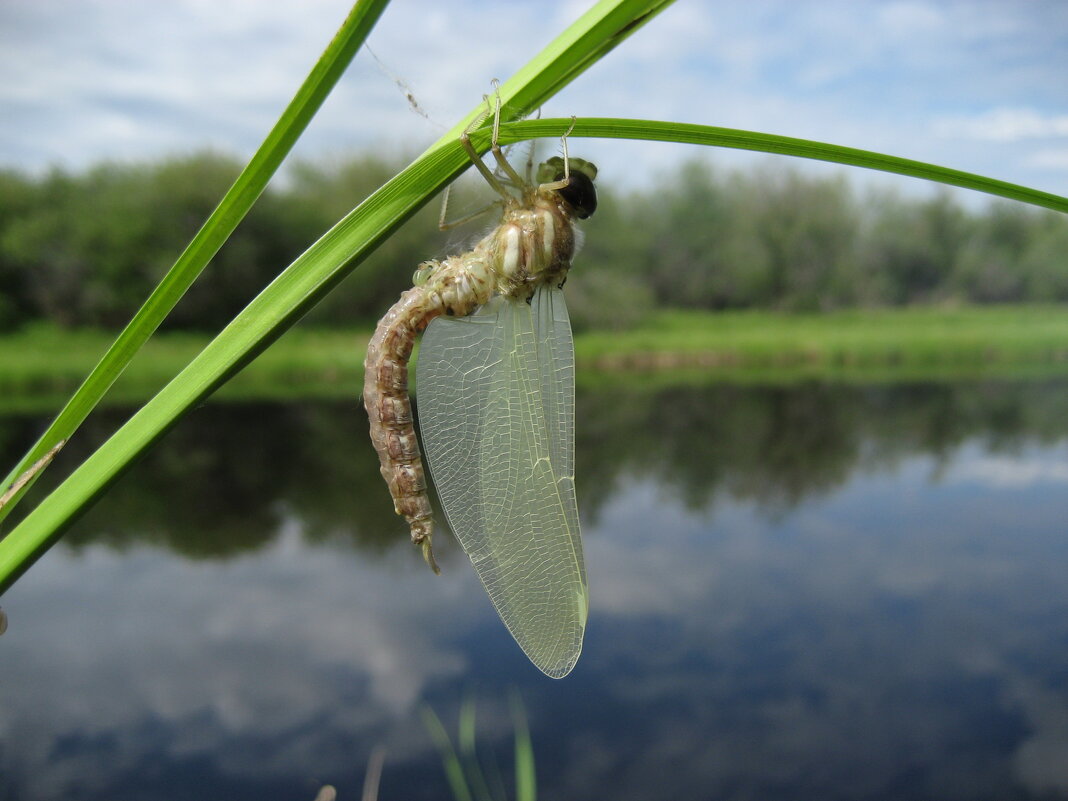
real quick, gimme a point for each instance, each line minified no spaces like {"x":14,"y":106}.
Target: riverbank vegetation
{"x":82,"y":250}
{"x":42,"y":364}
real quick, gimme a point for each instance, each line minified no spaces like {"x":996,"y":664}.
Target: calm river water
{"x":810,"y":592}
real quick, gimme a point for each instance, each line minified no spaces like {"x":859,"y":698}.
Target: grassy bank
{"x":41,"y":365}
{"x":911,"y":337}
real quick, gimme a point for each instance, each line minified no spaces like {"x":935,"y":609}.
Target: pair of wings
{"x":496,"y":395}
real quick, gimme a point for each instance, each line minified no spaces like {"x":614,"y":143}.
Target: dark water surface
{"x":805,"y":592}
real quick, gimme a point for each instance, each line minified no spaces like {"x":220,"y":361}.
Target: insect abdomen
{"x":389,"y":410}
{"x":530,"y":246}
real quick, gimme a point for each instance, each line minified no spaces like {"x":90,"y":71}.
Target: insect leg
{"x":445,"y":225}
{"x":567,"y":163}
{"x":495,"y":147}
{"x":465,"y":140}
{"x":405,"y":89}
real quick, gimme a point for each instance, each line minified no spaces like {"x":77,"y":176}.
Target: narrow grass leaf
{"x":307,"y":280}
{"x":526,"y":785}
{"x":652,"y":130}
{"x":467,"y":735}
{"x":454,"y":772}
{"x":248,"y":186}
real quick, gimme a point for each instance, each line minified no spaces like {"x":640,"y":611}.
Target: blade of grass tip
{"x":283,"y":302}
{"x":248,"y":186}
{"x":454,"y":772}
{"x":495,"y":782}
{"x":467,"y":736}
{"x":526,"y":786}
{"x":687,"y":133}
{"x":589,"y":39}
{"x":592,"y":36}
{"x":465,"y":733}
{"x":373,"y":776}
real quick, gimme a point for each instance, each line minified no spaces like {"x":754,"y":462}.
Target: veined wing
{"x":496,"y":411}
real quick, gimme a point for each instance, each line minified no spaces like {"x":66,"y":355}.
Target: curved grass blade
{"x":454,"y":770}
{"x":526,"y":784}
{"x":372,"y":778}
{"x":235,"y":204}
{"x":312,"y":275}
{"x":466,"y":739}
{"x":653,"y":130}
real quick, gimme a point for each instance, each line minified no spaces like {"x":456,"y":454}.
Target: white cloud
{"x":1003,"y":125}
{"x":905,"y":19}
{"x":288,"y":660}
{"x":76,"y":88}
{"x":1048,"y":159}
{"x":252,"y":649}
{"x":1004,"y":472}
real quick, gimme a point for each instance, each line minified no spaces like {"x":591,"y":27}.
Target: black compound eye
{"x":579,"y":193}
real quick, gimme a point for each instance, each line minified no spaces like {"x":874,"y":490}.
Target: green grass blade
{"x":30,"y":474}
{"x":330,"y":259}
{"x":454,"y":772}
{"x":307,"y":280}
{"x":231,"y":210}
{"x":651,"y":130}
{"x":466,"y":738}
{"x":526,"y":785}
{"x":590,"y":38}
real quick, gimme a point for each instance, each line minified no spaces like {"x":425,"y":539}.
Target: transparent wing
{"x":496,"y":403}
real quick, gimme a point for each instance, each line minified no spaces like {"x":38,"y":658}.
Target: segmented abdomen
{"x":531,"y":245}
{"x":389,"y":410}
{"x":385,"y":384}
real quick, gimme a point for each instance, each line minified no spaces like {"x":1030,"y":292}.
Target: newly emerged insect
{"x":496,"y":391}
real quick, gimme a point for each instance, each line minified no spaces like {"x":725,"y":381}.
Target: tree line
{"x":85,"y":249}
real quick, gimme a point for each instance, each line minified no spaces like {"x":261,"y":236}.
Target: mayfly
{"x":496,"y":392}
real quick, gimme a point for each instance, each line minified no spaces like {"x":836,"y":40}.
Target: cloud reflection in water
{"x":901,"y":633}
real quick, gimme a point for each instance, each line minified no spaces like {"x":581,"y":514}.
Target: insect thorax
{"x":532,"y":245}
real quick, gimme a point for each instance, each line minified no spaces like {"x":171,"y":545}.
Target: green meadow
{"x":42,"y":364}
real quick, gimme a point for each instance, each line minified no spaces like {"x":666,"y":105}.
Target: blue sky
{"x":978,"y":85}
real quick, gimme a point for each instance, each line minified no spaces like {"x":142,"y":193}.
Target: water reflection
{"x":809,"y":591}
